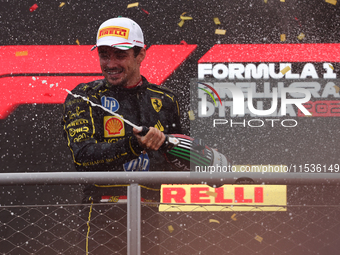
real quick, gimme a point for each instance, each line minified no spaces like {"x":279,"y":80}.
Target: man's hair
{"x":136,"y":50}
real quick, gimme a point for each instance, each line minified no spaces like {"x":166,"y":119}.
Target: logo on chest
{"x":156,"y":103}
{"x":110,"y":103}
{"x":113,"y":126}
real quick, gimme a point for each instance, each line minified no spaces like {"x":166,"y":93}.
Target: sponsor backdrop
{"x":47,"y":49}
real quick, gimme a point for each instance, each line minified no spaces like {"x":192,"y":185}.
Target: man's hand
{"x":153,"y":140}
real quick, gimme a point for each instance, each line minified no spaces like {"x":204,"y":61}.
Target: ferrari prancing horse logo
{"x":156,"y":104}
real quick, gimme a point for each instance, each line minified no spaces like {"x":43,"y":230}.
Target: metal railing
{"x":54,"y":229}
{"x":167,"y":177}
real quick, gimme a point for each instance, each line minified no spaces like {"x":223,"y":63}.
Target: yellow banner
{"x":200,"y":198}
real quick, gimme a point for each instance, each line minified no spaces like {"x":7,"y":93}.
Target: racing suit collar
{"x":143,"y":85}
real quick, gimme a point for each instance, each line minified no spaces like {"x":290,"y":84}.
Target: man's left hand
{"x":153,"y":140}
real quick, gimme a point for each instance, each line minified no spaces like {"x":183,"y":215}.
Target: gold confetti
{"x":220,"y":32}
{"x":285,"y":70}
{"x":233,"y":217}
{"x":185,"y":17}
{"x":258,"y":238}
{"x":181,"y":23}
{"x":21,"y":53}
{"x":301,"y":36}
{"x":212,"y":220}
{"x":331,"y":66}
{"x":282,"y":1}
{"x":191,"y":115}
{"x":210,"y":193}
{"x":77,"y":41}
{"x":133,"y":5}
{"x":337,"y":89}
{"x":265,"y":1}
{"x":331,"y":2}
{"x":217,"y":21}
{"x":283,"y":37}
{"x":171,"y":228}
{"x":61,"y":4}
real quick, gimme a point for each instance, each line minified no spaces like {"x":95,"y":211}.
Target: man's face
{"x":120,"y":67}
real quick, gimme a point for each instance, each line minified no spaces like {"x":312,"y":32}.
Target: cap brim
{"x":121,"y":46}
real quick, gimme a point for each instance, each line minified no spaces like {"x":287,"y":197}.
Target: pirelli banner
{"x":268,"y":103}
{"x":201,"y":198}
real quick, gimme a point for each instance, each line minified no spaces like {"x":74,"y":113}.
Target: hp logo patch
{"x":110,"y":103}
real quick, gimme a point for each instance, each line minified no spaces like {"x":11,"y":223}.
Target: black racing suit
{"x":100,"y":141}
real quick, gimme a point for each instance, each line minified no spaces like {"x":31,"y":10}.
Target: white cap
{"x":121,"y":33}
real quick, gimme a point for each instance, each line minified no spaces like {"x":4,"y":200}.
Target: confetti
{"x":301,"y":36}
{"x":21,"y":53}
{"x":33,"y":7}
{"x":77,"y":41}
{"x":212,"y":220}
{"x":133,"y":5}
{"x":183,"y":42}
{"x":191,"y":115}
{"x":285,"y":70}
{"x":233,"y":217}
{"x":220,"y":31}
{"x":265,"y":1}
{"x":331,"y":66}
{"x":337,"y":89}
{"x":145,"y":11}
{"x":217,"y":21}
{"x":282,"y":1}
{"x":283,"y":37}
{"x":61,"y":4}
{"x":298,"y":21}
{"x":258,"y":238}
{"x":331,"y":2}
{"x":210,"y":193}
{"x":171,"y":228}
{"x":183,"y":18}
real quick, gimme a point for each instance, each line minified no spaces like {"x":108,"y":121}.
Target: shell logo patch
{"x":156,"y":103}
{"x":113,"y":126}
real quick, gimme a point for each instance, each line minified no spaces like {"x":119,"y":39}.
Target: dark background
{"x":31,"y":136}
